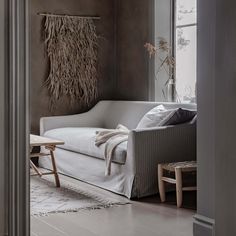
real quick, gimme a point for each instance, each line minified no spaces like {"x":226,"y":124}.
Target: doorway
{"x":21,"y":167}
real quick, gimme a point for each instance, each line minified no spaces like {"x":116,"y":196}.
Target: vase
{"x":171,"y":91}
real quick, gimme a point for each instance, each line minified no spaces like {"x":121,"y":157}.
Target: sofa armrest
{"x":165,"y":144}
{"x":149,"y":147}
{"x":92,"y":118}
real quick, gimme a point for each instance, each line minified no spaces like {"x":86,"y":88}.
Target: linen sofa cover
{"x":146,"y":147}
{"x":82,"y":140}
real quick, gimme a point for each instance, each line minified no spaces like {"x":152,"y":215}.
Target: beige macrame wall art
{"x":72,"y":46}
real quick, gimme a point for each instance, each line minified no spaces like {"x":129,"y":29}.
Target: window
{"x":185,"y":49}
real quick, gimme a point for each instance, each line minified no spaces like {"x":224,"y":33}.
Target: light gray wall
{"x":206,"y":107}
{"x":2,"y":115}
{"x":204,"y":222}
{"x":216,"y":118}
{"x":225,"y":117}
{"x":39,"y":63}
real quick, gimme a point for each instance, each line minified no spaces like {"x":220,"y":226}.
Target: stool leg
{"x":161,"y":184}
{"x":179,"y":190}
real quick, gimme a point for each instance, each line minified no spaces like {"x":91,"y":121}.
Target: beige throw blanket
{"x":111,"y":138}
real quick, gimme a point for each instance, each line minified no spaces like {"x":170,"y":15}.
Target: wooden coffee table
{"x":50,"y":145}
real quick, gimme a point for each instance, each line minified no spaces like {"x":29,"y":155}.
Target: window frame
{"x":174,"y":28}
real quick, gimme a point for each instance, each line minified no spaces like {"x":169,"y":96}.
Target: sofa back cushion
{"x":129,"y":113}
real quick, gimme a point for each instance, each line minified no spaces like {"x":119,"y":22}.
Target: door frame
{"x":16,"y":123}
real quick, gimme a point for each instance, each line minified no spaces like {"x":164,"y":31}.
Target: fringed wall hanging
{"x":71,"y":45}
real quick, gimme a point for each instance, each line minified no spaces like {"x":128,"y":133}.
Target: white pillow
{"x":154,"y":117}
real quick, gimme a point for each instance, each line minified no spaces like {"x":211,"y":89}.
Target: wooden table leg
{"x":54,"y":166}
{"x":35,"y":168}
{"x":179,"y":186}
{"x":33,"y":165}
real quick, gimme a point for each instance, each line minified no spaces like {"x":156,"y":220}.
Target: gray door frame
{"x":204,"y":220}
{"x":15,"y":122}
{"x":3,"y":117}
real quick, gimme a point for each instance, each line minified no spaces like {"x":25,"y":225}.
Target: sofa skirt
{"x":92,"y":170}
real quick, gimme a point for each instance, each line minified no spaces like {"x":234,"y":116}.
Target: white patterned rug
{"x":47,"y":199}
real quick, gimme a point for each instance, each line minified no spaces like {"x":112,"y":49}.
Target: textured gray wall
{"x":123,"y":61}
{"x":39,"y":63}
{"x":132,"y":31}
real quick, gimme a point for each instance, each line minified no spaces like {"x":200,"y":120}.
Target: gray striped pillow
{"x":178,"y":116}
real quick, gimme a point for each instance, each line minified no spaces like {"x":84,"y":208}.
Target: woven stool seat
{"x":187,"y":166}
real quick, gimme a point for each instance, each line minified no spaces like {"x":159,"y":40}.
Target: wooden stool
{"x":177,"y":168}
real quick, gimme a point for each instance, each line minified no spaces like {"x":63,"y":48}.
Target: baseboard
{"x":203,"y":226}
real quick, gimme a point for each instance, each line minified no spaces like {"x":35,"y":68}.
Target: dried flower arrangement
{"x":163,"y":52}
{"x":71,"y":45}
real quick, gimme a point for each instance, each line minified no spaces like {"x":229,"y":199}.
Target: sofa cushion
{"x":162,"y":116}
{"x":178,"y":116}
{"x":154,"y":117}
{"x":82,"y":140}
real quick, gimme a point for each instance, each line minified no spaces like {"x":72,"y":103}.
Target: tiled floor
{"x":141,"y":218}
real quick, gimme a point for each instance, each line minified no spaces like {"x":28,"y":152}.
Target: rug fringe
{"x":98,"y":207}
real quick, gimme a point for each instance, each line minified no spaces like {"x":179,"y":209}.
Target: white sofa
{"x":134,"y":167}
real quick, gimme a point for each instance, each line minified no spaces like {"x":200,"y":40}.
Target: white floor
{"x":141,"y":218}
